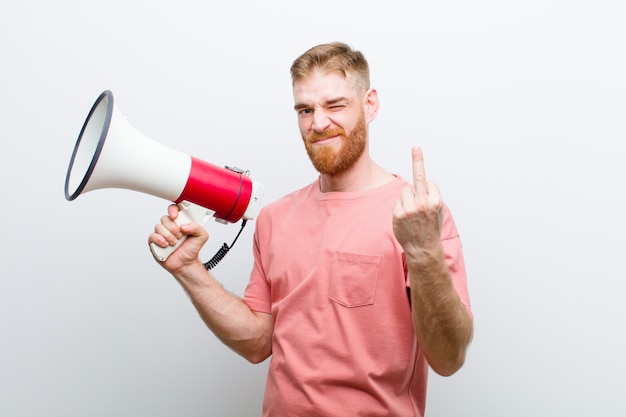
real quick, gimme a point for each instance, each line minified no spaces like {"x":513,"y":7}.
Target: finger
{"x":404,"y":203}
{"x":158,"y":239}
{"x":169,"y":235}
{"x":170,"y":224}
{"x":419,"y":174}
{"x":194,"y":231}
{"x":172,"y":211}
{"x":434,"y":196}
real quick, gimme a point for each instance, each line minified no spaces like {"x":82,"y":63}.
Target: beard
{"x":330,"y":162}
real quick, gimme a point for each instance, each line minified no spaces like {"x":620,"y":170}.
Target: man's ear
{"x":371,"y":104}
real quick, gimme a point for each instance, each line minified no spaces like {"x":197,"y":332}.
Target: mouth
{"x":325,"y":140}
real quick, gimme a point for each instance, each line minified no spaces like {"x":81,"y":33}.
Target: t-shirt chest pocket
{"x":353,"y":279}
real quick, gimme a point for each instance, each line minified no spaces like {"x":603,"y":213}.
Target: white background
{"x":520,"y":108}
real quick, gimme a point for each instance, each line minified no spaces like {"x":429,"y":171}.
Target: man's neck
{"x":363,"y":175}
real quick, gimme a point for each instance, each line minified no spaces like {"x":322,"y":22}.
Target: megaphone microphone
{"x":111,"y":153}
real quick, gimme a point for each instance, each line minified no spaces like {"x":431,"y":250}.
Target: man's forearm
{"x":227,"y":316}
{"x":443,"y":325}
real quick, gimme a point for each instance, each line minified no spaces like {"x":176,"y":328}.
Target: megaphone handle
{"x":189,"y":212}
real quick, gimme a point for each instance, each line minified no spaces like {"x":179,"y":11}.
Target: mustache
{"x":315,"y":136}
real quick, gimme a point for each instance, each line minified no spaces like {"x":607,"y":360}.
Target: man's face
{"x":331,"y":120}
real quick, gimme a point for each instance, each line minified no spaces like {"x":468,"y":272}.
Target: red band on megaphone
{"x":222,"y":190}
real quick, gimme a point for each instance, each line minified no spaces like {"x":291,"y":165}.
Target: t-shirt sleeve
{"x":453,"y":250}
{"x":258,"y":291}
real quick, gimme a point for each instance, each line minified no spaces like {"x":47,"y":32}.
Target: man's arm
{"x":442,"y":324}
{"x":247,"y":332}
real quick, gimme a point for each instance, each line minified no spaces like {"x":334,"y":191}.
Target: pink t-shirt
{"x":329,"y":270}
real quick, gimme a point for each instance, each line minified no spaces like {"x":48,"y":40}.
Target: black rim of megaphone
{"x":94,"y":160}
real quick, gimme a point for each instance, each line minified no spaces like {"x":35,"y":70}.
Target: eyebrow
{"x":330,"y":102}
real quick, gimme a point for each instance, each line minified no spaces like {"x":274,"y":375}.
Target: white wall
{"x":519,"y":107}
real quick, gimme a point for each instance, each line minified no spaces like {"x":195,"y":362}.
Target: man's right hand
{"x":168,"y":232}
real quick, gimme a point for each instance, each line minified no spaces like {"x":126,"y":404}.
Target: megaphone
{"x":111,"y":153}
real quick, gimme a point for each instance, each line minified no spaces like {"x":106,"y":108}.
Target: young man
{"x":358,"y":284}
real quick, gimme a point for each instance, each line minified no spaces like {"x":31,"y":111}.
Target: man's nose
{"x":321,"y":121}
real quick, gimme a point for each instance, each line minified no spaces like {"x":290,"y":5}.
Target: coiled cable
{"x":221,"y":253}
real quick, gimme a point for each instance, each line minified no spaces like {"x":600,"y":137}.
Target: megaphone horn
{"x":111,"y":153}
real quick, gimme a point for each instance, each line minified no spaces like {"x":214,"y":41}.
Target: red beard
{"x":330,"y":162}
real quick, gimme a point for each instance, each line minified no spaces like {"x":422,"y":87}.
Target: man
{"x":358,"y":284}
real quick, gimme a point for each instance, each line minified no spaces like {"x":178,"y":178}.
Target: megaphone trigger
{"x":189,"y":212}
